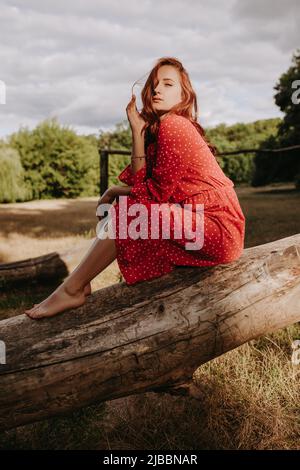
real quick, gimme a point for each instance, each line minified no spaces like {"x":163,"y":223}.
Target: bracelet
{"x":142,"y":156}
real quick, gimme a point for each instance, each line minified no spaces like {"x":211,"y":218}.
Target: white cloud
{"x":77,"y":60}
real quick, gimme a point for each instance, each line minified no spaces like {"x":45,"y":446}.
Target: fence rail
{"x":104,"y":159}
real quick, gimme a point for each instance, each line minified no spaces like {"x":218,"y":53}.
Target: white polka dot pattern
{"x":185,"y":172}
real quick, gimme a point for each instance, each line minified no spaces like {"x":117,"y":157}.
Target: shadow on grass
{"x":16,"y":299}
{"x":280,"y":192}
{"x":81,"y":429}
{"x":70,"y":217}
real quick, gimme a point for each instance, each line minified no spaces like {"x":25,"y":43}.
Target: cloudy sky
{"x":77,"y":59}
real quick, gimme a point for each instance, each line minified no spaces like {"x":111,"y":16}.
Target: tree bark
{"x":150,"y":336}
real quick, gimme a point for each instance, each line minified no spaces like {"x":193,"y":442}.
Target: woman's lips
{"x":157,"y":99}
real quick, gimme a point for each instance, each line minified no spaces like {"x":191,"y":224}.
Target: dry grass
{"x":38,"y":227}
{"x":250,"y":396}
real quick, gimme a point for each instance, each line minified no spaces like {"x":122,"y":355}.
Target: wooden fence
{"x":104,"y":159}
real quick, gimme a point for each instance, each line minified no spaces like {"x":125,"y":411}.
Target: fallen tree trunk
{"x":54,"y":266}
{"x":148,"y":337}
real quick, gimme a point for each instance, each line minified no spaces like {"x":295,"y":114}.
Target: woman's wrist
{"x":119,"y":190}
{"x":139,"y":157}
{"x":111,"y":191}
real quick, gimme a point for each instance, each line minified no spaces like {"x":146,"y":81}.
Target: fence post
{"x":103,"y":170}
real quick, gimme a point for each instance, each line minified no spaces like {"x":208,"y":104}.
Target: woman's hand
{"x":107,"y":197}
{"x":135,"y":120}
{"x":111,"y":194}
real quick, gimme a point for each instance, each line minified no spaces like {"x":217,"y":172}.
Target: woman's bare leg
{"x":71,"y":293}
{"x":100,"y":255}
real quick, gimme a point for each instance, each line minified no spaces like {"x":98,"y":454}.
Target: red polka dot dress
{"x":180,"y":176}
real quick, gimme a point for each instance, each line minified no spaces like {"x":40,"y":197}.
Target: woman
{"x":178,"y":170}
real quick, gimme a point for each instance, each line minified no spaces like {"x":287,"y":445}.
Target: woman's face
{"x":167,"y":87}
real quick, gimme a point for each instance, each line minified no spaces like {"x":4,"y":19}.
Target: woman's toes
{"x":32,"y":309}
{"x":29,"y":310}
{"x":35,"y":312}
{"x":29,"y":313}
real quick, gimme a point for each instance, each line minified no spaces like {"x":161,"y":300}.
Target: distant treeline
{"x":53,"y":161}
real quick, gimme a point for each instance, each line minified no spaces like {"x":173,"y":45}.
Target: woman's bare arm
{"x":115,"y":191}
{"x":137,"y":124}
{"x":138,"y":149}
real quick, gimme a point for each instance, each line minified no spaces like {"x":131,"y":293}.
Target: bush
{"x":12,"y":184}
{"x":57,"y":162}
{"x":275,"y":167}
{"x":239,"y":168}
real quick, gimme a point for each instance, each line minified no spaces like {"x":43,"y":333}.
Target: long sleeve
{"x":174,"y":139}
{"x":129,"y":178}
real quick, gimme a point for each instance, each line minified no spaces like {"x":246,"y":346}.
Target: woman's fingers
{"x":132,"y":99}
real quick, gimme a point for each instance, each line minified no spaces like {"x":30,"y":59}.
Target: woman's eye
{"x":168,"y":84}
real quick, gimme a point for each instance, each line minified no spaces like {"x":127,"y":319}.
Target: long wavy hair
{"x":185,"y":108}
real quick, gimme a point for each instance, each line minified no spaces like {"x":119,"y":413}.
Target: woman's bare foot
{"x":61,"y":299}
{"x":87,"y":289}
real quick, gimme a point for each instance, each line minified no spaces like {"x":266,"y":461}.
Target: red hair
{"x":184,"y":108}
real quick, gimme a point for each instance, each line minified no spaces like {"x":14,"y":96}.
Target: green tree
{"x":240,"y":168}
{"x":57,"y":162}
{"x":289,"y":129}
{"x":12,"y":184}
{"x":283,"y":166}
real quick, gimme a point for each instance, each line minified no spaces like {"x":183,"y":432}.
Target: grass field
{"x":250,"y":396}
